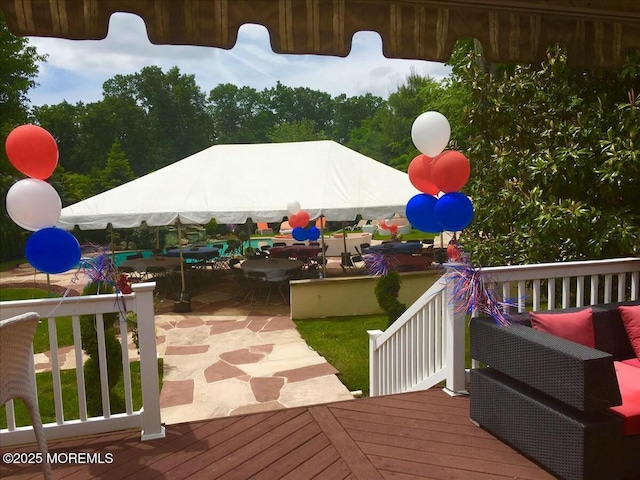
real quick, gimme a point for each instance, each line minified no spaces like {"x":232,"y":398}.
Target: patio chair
{"x":257,"y":284}
{"x":264,"y":229}
{"x":354,"y":263}
{"x":17,"y":377}
{"x":131,"y":272}
{"x":357,"y":226}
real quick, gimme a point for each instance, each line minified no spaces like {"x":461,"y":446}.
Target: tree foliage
{"x":116,"y":171}
{"x":555,"y":163}
{"x":18,"y":72}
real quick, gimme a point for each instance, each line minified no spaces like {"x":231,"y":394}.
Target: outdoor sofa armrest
{"x":579,"y":376}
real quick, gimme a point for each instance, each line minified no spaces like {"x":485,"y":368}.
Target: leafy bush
{"x":386,"y":290}
{"x":91,"y":367}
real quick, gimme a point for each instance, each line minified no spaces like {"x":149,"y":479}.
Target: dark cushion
{"x":609,"y":331}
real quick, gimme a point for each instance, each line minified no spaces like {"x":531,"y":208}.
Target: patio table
{"x":405,"y":263}
{"x":276,"y":269}
{"x":144,"y":265}
{"x":395,"y":248}
{"x":294,"y":251}
{"x":195,"y":253}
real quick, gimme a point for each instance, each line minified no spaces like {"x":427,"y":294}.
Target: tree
{"x":297,"y":131}
{"x":239,"y":115}
{"x":170,"y":116}
{"x":297,"y":104}
{"x":555,"y":162}
{"x":18,"y":70}
{"x":387,"y":135}
{"x":350,"y":112}
{"x":64,"y":121}
{"x":116,"y":171}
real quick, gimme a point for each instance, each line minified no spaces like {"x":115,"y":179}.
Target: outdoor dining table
{"x":395,"y":248}
{"x":404,"y":262}
{"x":195,"y":253}
{"x":275,"y":269}
{"x":152,"y":264}
{"x":294,"y":251}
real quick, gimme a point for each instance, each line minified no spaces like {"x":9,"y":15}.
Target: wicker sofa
{"x":550,"y":398}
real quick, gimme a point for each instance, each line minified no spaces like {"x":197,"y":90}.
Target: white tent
{"x":232,"y":183}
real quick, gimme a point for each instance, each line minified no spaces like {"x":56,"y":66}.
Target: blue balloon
{"x":454,"y":211}
{"x":420,"y":213}
{"x":52,"y":250}
{"x":299,"y":234}
{"x":313,"y":233}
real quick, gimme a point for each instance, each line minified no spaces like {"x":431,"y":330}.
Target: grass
{"x":343,"y":341}
{"x":41,"y":339}
{"x":70,"y":396}
{"x":11,"y":264}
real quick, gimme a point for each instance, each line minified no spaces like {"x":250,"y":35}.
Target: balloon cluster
{"x":34,"y":204}
{"x":389,"y":225}
{"x":439,"y":175}
{"x":299,"y":220}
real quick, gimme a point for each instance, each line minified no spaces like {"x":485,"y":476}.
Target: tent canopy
{"x":325,"y":177}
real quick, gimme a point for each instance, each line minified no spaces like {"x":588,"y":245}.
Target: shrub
{"x":89,"y":337}
{"x":386,"y":290}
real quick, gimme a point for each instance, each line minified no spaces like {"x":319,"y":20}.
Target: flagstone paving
{"x":222,"y":358}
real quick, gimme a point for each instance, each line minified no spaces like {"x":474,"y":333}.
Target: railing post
{"x":374,"y":374}
{"x":456,"y":380}
{"x":151,"y":422}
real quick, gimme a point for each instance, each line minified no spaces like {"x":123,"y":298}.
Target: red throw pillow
{"x":631,"y":319}
{"x":574,"y":326}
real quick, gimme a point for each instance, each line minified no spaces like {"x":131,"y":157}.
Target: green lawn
{"x":68,"y":377}
{"x":41,"y":339}
{"x":11,"y":264}
{"x":70,"y":396}
{"x":344,"y":342}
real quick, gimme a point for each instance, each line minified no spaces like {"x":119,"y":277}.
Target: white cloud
{"x":76,"y":70}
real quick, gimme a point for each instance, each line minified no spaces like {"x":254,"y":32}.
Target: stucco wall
{"x":335,"y":297}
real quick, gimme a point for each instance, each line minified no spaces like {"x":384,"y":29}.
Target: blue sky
{"x":76,"y":70}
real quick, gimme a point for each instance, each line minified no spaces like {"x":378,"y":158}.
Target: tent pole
{"x":112,"y":246}
{"x":181,"y":259}
{"x":324,"y":257}
{"x":346,"y":258}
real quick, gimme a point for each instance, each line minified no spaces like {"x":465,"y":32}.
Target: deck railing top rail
{"x":538,"y":271}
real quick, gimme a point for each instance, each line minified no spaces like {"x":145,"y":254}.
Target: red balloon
{"x":420,"y":174}
{"x":303,"y":218}
{"x":393,"y":228}
{"x":450,"y":171}
{"x":32,"y":150}
{"x":293,"y":221}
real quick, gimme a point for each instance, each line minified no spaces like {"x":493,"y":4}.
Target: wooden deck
{"x":412,"y":435}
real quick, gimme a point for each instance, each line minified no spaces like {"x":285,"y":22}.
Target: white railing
{"x":148,"y":417}
{"x":426,"y":345}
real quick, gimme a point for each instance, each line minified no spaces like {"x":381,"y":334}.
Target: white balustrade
{"x":426,"y":345}
{"x":148,"y":417}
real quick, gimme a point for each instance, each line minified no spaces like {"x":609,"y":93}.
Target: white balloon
{"x":33,"y":204}
{"x":430,"y":133}
{"x":293,"y":207}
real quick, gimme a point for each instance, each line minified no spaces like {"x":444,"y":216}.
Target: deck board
{"x":397,"y":437}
